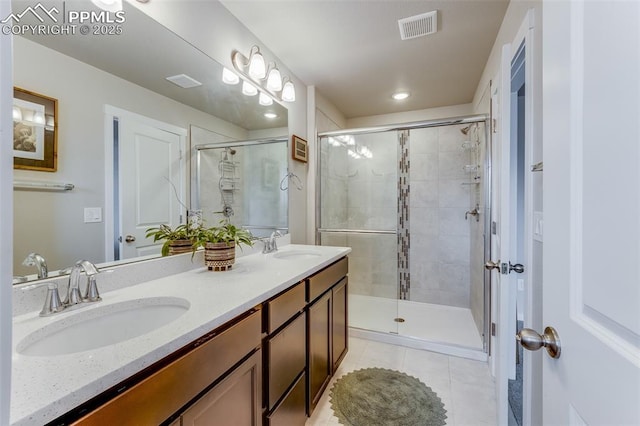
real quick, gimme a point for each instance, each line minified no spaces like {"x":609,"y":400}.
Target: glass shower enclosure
{"x":412,"y":202}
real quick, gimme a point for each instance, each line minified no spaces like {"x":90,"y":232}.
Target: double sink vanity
{"x":254,"y":345}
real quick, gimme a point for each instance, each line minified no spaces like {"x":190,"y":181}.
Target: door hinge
{"x":493,"y":328}
{"x":494,"y":124}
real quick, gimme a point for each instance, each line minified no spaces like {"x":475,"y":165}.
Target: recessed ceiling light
{"x":270,"y":115}
{"x":400,"y":96}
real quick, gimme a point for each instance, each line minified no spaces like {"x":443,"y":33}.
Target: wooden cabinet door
{"x":339,"y":331}
{"x":236,"y":401}
{"x":319,"y":347}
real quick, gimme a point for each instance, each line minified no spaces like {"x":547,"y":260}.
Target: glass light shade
{"x":257,"y":67}
{"x":17,"y":114}
{"x":274,"y":80}
{"x":265,"y":100}
{"x":248,"y":89}
{"x":229,"y":77}
{"x":288,"y":92}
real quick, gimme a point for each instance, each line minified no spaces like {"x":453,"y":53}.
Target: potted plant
{"x":177,"y":240}
{"x":219,"y":243}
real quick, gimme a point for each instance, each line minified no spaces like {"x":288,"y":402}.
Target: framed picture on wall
{"x":300,"y":149}
{"x":35,"y":131}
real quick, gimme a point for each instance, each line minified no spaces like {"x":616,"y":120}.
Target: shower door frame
{"x":470,"y":119}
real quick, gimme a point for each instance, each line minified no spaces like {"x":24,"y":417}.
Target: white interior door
{"x":503,"y":286}
{"x":151,"y":182}
{"x":591,"y":137}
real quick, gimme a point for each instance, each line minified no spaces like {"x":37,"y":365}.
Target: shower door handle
{"x":491,"y":265}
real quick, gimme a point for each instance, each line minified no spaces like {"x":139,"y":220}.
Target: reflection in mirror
{"x":240,"y":182}
{"x":88,"y":75}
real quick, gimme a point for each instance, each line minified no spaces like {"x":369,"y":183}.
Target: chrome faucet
{"x":73,"y":289}
{"x":270,"y":244}
{"x":34,"y":259}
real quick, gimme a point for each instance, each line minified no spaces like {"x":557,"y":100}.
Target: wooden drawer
{"x":281,"y":308}
{"x":287,"y":358}
{"x":165,"y":391}
{"x":291,"y":411}
{"x":323,"y":280}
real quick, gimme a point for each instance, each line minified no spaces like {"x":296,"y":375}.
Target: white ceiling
{"x":352,"y":52}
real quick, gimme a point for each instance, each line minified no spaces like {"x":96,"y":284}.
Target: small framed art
{"x":300,"y":149}
{"x":35,"y":132}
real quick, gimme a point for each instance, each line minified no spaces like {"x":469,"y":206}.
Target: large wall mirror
{"x":108,"y":87}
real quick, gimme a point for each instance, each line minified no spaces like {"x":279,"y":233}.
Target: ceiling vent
{"x":418,"y":25}
{"x":184,"y":81}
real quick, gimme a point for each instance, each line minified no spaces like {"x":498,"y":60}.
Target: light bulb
{"x":257,"y":67}
{"x":288,"y":92}
{"x":265,"y":100}
{"x":17,"y":114}
{"x":274,"y":80}
{"x":229,"y":77}
{"x":400,"y":96}
{"x":248,"y":89}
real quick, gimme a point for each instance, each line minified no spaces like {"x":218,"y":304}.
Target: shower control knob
{"x":491,"y":265}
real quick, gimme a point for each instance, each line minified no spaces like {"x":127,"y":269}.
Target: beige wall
{"x":52,"y":223}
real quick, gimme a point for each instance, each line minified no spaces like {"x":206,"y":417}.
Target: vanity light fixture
{"x":288,"y":91}
{"x":265,"y":100}
{"x":249,"y":89}
{"x":268,"y":80}
{"x":257,"y":67}
{"x":274,"y":80}
{"x":270,"y":115}
{"x":17,"y":114}
{"x":229,"y":77}
{"x":399,"y":96}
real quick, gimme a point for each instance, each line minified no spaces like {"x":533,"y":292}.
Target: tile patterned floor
{"x":465,"y":387}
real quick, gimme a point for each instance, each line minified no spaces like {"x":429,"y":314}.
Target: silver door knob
{"x":130,"y":238}
{"x":517,"y":268}
{"x":490,"y":265}
{"x":532,"y":341}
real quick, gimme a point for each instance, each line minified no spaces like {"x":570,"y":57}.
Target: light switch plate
{"x":92,"y":214}
{"x":537,"y":226}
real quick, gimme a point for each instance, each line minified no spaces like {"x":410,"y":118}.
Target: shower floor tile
{"x":425,"y":321}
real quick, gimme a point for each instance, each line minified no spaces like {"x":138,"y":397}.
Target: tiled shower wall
{"x":440,"y":235}
{"x":444,"y":247}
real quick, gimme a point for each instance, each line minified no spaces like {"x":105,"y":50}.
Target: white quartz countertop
{"x":43,"y":388}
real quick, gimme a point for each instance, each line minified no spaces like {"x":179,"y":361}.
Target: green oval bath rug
{"x":381,"y":397}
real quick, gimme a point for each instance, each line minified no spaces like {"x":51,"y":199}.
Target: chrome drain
{"x":398,"y":319}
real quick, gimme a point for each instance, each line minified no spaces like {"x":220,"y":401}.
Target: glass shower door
{"x":359,"y":209}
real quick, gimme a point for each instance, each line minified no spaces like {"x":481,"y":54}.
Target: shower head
{"x":465,"y":130}
{"x":231,"y":151}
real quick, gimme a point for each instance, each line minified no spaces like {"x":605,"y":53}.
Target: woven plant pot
{"x":219,"y":256}
{"x":180,"y":246}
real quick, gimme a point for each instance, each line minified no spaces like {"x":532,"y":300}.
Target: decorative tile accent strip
{"x":404,"y":275}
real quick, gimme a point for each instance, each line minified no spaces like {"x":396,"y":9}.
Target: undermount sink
{"x":297,"y":254}
{"x":102,"y":326}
